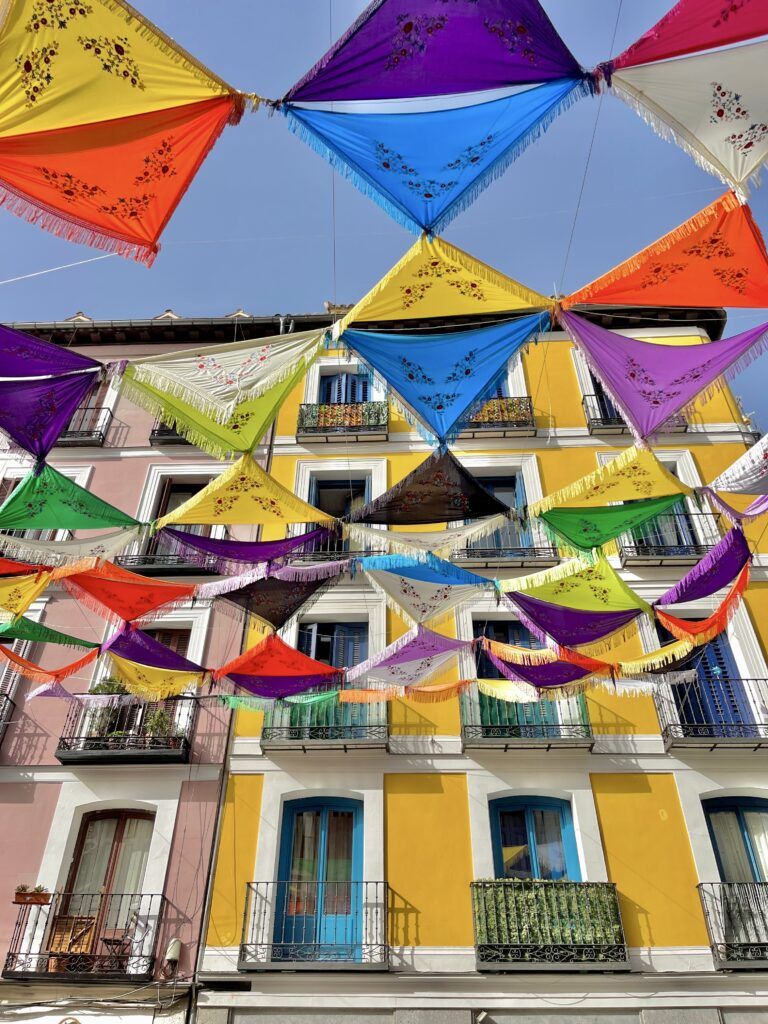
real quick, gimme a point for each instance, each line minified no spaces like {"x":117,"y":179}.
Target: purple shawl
{"x":716,"y":570}
{"x":224,"y":551}
{"x":137,"y":646}
{"x":568,"y":627}
{"x":554,"y":674}
{"x":35,"y":413}
{"x":21,"y":355}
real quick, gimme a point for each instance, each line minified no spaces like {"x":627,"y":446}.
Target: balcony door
{"x":674,"y":532}
{"x":606,"y":410}
{"x":318,"y":910}
{"x":345,"y":389}
{"x":533,"y":837}
{"x":716,"y":697}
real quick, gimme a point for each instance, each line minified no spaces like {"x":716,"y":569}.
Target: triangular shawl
{"x":35,"y":412}
{"x":573,"y":627}
{"x":415,"y":658}
{"x":756,"y":508}
{"x":419,"y":544}
{"x":227,"y":555}
{"x":18,"y":592}
{"x":47,"y":500}
{"x":585,"y":529}
{"x":716,"y":570}
{"x":38,"y":633}
{"x":444,"y":379}
{"x":748,"y":474}
{"x":22,"y":355}
{"x":136,"y":645}
{"x":244,"y":494}
{"x":273,"y":669}
{"x":703,"y":630}
{"x":650,"y":382}
{"x":425,"y":160}
{"x":10,"y":567}
{"x":104,"y":121}
{"x":153,"y":683}
{"x":49,"y":676}
{"x":216,"y":379}
{"x":717,"y":258}
{"x":400,"y":48}
{"x":274,"y":598}
{"x":420,"y":590}
{"x":440,"y":490}
{"x":436,"y":279}
{"x":560,"y":675}
{"x":125,"y":594}
{"x":711,"y":103}
{"x":83,"y":554}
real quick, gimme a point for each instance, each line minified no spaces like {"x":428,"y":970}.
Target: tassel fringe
{"x":311,"y":573}
{"x":716,"y":623}
{"x":394,"y":648}
{"x":437,"y":694}
{"x":578,"y":488}
{"x":655,"y":660}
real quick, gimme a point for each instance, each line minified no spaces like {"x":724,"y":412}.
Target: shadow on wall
{"x":402,"y":921}
{"x":26,"y":741}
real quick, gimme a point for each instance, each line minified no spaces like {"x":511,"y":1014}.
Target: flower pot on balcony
{"x":32,"y":898}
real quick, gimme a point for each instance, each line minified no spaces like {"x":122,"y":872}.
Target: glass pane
{"x":729,"y":841}
{"x":129,"y":874}
{"x":515,"y":852}
{"x":94,"y":858}
{"x":338,"y":866}
{"x":757,"y":829}
{"x":302,"y":892}
{"x":547,"y":828}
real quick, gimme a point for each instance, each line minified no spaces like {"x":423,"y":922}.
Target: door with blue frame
{"x":343,"y":645}
{"x":319,"y":905}
{"x":533,"y":837}
{"x":738,"y":828}
{"x":345,"y":389}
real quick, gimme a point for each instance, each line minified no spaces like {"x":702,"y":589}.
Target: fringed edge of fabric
{"x":376,"y":659}
{"x":654,"y":661}
{"x":439,"y":693}
{"x":516,"y":655}
{"x":217,"y":588}
{"x":37,"y":674}
{"x":578,"y":487}
{"x":65,"y":564}
{"x":543,"y":577}
{"x":733,"y":515}
{"x":237,"y":702}
{"x":93,"y":603}
{"x":311,"y":573}
{"x":392,"y":604}
{"x":714,"y":624}
{"x":368,"y":696}
{"x":606,"y":644}
{"x":703,"y":567}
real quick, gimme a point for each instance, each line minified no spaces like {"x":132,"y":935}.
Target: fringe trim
{"x":56,"y":555}
{"x":733,"y":515}
{"x":439,"y":693}
{"x":37,"y":674}
{"x":50,"y":690}
{"x":704,"y":566}
{"x":577,"y":489}
{"x":237,"y":703}
{"x":745,"y":360}
{"x":394,"y":648}
{"x":610,"y":641}
{"x":391,"y":542}
{"x":217,"y":588}
{"x":655,"y":660}
{"x":519,"y":655}
{"x":544,"y":576}
{"x":310,"y":573}
{"x":368,"y":696}
{"x":716,"y":623}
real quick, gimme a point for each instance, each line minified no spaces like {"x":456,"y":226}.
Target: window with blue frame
{"x":533,"y":837}
{"x":345,"y":388}
{"x":511,"y":490}
{"x":606,"y":409}
{"x":504,"y":631}
{"x":738,"y":828}
{"x":339,"y":497}
{"x":341,"y":644}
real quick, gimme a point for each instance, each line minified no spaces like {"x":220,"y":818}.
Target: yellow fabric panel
{"x":435,"y":278}
{"x":649,"y":857}
{"x":153,"y":683}
{"x":18,"y":592}
{"x":72,"y":62}
{"x":235,"y":858}
{"x":428,"y":859}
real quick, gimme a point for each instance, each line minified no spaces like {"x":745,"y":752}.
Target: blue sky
{"x":265,"y":227}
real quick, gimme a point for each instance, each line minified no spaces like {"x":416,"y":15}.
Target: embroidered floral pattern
{"x":636,"y":476}
{"x":515,"y":36}
{"x":36,"y":71}
{"x":753,"y":136}
{"x":210,"y":368}
{"x":414,"y":373}
{"x":114,"y":55}
{"x":733,"y":277}
{"x":158,"y":165}
{"x":242,"y":487}
{"x":413,"y":293}
{"x":712,"y":247}
{"x":129,"y":206}
{"x":471,"y":155}
{"x":412,"y":36}
{"x":591,"y":578}
{"x":423,"y":605}
{"x":729,"y":10}
{"x":470,"y":289}
{"x":392,"y":162}
{"x":55,"y":14}
{"x":439,"y":401}
{"x":659,"y":273}
{"x":726,"y":105}
{"x":69,"y":186}
{"x":435,"y":269}
{"x":463,"y":368}
{"x":389,"y":160}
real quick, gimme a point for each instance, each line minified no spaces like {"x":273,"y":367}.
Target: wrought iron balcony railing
{"x":509,"y":545}
{"x":7,"y":707}
{"x":86,"y":937}
{"x":503,"y":417}
{"x":603,"y":417}
{"x":737,"y":920}
{"x":89,"y":426}
{"x":367,"y":421}
{"x":315,"y":925}
{"x":167,"y":556}
{"x":128,"y":731}
{"x":332,"y":727}
{"x":161,"y":434}
{"x":503,"y":724}
{"x":725,"y":711}
{"x":531,"y":923}
{"x":675,"y":538}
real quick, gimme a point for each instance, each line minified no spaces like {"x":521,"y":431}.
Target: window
{"x":7,"y":486}
{"x":172,"y":494}
{"x":606,"y":410}
{"x":739,"y":832}
{"x":504,"y":631}
{"x":176,"y":639}
{"x":511,"y":490}
{"x":674,"y":531}
{"x":339,"y":497}
{"x":533,"y":837}
{"x":341,"y":644}
{"x":345,"y":388}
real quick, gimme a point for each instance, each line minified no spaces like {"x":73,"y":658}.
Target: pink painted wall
{"x":26,"y":810}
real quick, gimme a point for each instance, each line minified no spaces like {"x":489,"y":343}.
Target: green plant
{"x":39,"y":888}
{"x":109,"y":687}
{"x":158,"y":723}
{"x":22,"y":888}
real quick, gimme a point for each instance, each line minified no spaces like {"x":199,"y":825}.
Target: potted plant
{"x":104,"y":722}
{"x":157,"y":726}
{"x":37,"y":896}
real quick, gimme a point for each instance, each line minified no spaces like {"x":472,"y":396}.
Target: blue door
{"x":318,"y":910}
{"x":343,"y":645}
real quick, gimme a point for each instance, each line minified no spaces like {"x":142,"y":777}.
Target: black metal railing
{"x":602,"y":416}
{"x":86,"y":936}
{"x":522,"y":922}
{"x":510,"y":543}
{"x":301,"y":726}
{"x":503,"y":416}
{"x":89,"y":426}
{"x":7,"y":707}
{"x":737,"y":920}
{"x":161,"y":434}
{"x":165,"y":554}
{"x":680,"y":536}
{"x":315,"y":925}
{"x":364,"y":418}
{"x":721,"y":711}
{"x":498,"y":723}
{"x":127,"y":731}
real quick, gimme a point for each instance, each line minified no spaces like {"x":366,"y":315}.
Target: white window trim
{"x":307,"y":469}
{"x":517,"y":386}
{"x":327,"y":365}
{"x":513,"y":463}
{"x":349,"y":603}
{"x":9,"y":676}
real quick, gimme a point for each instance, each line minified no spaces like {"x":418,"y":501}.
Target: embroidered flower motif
{"x":36,"y":71}
{"x":733,"y":277}
{"x":712,"y":247}
{"x":411,"y":37}
{"x":753,"y":136}
{"x":514,"y":35}
{"x":470,"y":156}
{"x":241,"y":487}
{"x":428,"y":188}
{"x":392,"y":162}
{"x":69,"y":186}
{"x":129,"y":206}
{"x":158,"y":164}
{"x":414,"y":373}
{"x":389,"y":160}
{"x":115,"y":57}
{"x":55,"y":14}
{"x":729,"y":10}
{"x":726,"y":105}
{"x":422,"y":604}
{"x":439,"y":400}
{"x":463,"y":368}
{"x":658,"y":273}
{"x":413,"y":293}
{"x":591,"y":577}
{"x":471,"y":289}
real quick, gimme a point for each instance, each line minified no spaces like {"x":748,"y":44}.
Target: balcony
{"x":161,"y":434}
{"x":361,"y":421}
{"x":129,"y":732}
{"x":727,"y":713}
{"x":86,"y":937}
{"x":603,"y":417}
{"x":676,"y":538}
{"x":89,"y":426}
{"x":311,"y":727}
{"x":7,"y":707}
{"x":550,"y":725}
{"x":503,"y":417}
{"x":509,"y":547}
{"x":530,"y":924}
{"x":737,"y":921}
{"x":315,"y":926}
{"x":165,"y":556}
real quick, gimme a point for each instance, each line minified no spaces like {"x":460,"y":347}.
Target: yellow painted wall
{"x":235,"y":859}
{"x":649,"y":857}
{"x":428,"y":859}
{"x":756,"y":601}
{"x":615,"y":714}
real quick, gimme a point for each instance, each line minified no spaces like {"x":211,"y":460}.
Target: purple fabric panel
{"x":145,"y":650}
{"x":275,"y":687}
{"x":404,"y":48}
{"x":716,"y":570}
{"x":34,"y":413}
{"x":21,"y":355}
{"x":245,"y":551}
{"x":755,"y":508}
{"x":423,"y":646}
{"x":649,"y":382}
{"x":571,"y":627}
{"x":558,"y":673}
